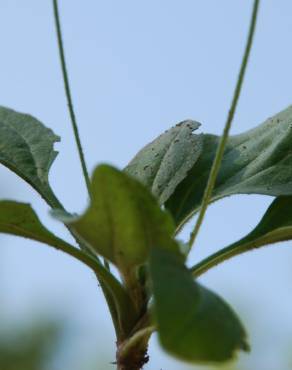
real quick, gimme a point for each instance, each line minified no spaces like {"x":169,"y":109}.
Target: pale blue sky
{"x":136,"y":68}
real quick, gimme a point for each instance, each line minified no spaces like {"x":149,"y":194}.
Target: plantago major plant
{"x":135,"y":215}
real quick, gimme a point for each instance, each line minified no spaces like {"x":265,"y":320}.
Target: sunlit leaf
{"x":27,"y":148}
{"x":193,"y":323}
{"x":123,"y":219}
{"x":165,"y":162}
{"x":258,"y":161}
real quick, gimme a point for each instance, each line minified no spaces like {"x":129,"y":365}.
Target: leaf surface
{"x":256,"y":162}
{"x":123,"y":220}
{"x":164,"y":163}
{"x":27,"y":148}
{"x":194,"y":324}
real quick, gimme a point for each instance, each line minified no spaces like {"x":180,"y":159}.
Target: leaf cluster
{"x":134,"y":218}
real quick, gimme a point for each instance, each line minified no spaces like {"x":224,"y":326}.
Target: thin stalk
{"x":220,"y":149}
{"x":70,"y":101}
{"x":68,"y":93}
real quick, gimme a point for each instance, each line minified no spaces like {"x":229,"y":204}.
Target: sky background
{"x":137,"y":68}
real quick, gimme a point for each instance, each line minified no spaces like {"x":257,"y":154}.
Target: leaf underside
{"x":194,"y":324}
{"x":27,"y":148}
{"x":164,"y":163}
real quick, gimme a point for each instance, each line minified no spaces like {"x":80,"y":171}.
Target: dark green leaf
{"x":123,"y":220}
{"x":194,"y":324}
{"x":164,"y":163}
{"x":26,"y":147}
{"x":258,"y":161}
{"x":275,"y":226}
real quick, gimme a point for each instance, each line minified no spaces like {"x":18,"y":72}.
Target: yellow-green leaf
{"x":123,"y":220}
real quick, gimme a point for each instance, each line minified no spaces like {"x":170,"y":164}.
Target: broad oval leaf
{"x":27,"y":148}
{"x":165,"y":162}
{"x":193,"y":323}
{"x":258,"y":161}
{"x":123,"y":219}
{"x":274,"y":227}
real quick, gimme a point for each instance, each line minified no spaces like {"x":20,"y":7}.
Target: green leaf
{"x":26,"y":148}
{"x":21,"y":220}
{"x":275,"y":226}
{"x":123,"y":220}
{"x":258,"y":161}
{"x":193,"y":323}
{"x":164,"y":163}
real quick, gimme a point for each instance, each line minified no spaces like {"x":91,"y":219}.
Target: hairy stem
{"x":221,"y":146}
{"x":68,"y":93}
{"x":132,"y":355}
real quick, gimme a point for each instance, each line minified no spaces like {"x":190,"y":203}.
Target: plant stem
{"x":68,"y":93}
{"x":132,"y":355}
{"x":221,"y":146}
{"x":142,"y":336}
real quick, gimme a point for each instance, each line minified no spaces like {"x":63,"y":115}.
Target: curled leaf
{"x":165,"y":162}
{"x":27,"y":148}
{"x":258,"y":161}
